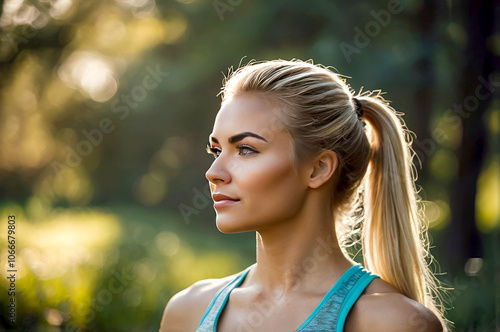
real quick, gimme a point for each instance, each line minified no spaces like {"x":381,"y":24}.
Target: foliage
{"x":105,"y":110}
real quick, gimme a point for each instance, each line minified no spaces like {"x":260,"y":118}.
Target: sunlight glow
{"x":91,"y":72}
{"x":59,"y":8}
{"x":487,"y":198}
{"x":473,"y":266}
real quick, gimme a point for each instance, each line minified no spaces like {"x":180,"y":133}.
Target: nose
{"x":218,"y":172}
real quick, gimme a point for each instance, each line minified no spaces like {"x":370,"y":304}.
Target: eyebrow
{"x":239,"y":137}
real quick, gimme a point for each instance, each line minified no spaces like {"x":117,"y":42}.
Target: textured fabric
{"x":332,"y":311}
{"x":209,"y":320}
{"x":329,"y":315}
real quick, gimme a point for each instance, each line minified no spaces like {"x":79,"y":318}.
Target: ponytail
{"x":395,"y":242}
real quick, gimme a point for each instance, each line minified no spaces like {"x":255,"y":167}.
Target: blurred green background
{"x":105,"y":111}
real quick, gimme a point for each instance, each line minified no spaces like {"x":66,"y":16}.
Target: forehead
{"x":253,"y":112}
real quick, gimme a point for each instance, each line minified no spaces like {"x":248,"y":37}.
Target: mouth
{"x":221,"y":200}
{"x":225,"y":202}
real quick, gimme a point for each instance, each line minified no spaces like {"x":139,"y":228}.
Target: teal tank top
{"x":329,"y":315}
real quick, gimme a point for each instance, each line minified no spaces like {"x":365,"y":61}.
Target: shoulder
{"x":184,"y":310}
{"x":382,"y":308}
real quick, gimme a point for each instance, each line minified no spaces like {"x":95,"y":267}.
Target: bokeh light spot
{"x":168,"y":243}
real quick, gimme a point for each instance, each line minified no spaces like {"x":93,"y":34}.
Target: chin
{"x":231,"y":226}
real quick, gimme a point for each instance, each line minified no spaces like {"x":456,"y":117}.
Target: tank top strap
{"x":209,"y":319}
{"x":331,"y":313}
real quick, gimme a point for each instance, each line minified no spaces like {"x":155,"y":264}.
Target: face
{"x":254,"y":166}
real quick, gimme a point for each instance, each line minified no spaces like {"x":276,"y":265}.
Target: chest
{"x":269,"y":319}
{"x":243,"y":309}
{"x":267,"y":315}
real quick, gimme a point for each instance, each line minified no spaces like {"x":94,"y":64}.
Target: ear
{"x":323,"y":169}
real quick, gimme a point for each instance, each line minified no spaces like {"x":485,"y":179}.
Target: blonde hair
{"x":375,"y":166}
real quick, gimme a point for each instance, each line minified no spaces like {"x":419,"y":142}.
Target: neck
{"x":302,"y":254}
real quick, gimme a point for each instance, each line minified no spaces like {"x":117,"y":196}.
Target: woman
{"x":295,"y":162}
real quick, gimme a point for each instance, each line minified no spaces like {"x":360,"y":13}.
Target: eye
{"x":246,"y":148}
{"x":213,"y":151}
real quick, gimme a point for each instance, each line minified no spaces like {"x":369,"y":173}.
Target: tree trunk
{"x":475,"y":96}
{"x":424,"y":71}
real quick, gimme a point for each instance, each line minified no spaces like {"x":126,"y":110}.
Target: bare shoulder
{"x":184,"y":310}
{"x":383,"y":308}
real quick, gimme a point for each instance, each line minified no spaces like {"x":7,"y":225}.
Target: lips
{"x":221,"y":197}
{"x":221,"y":200}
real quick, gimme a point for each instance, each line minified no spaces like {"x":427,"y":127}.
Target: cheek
{"x":275,"y":185}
